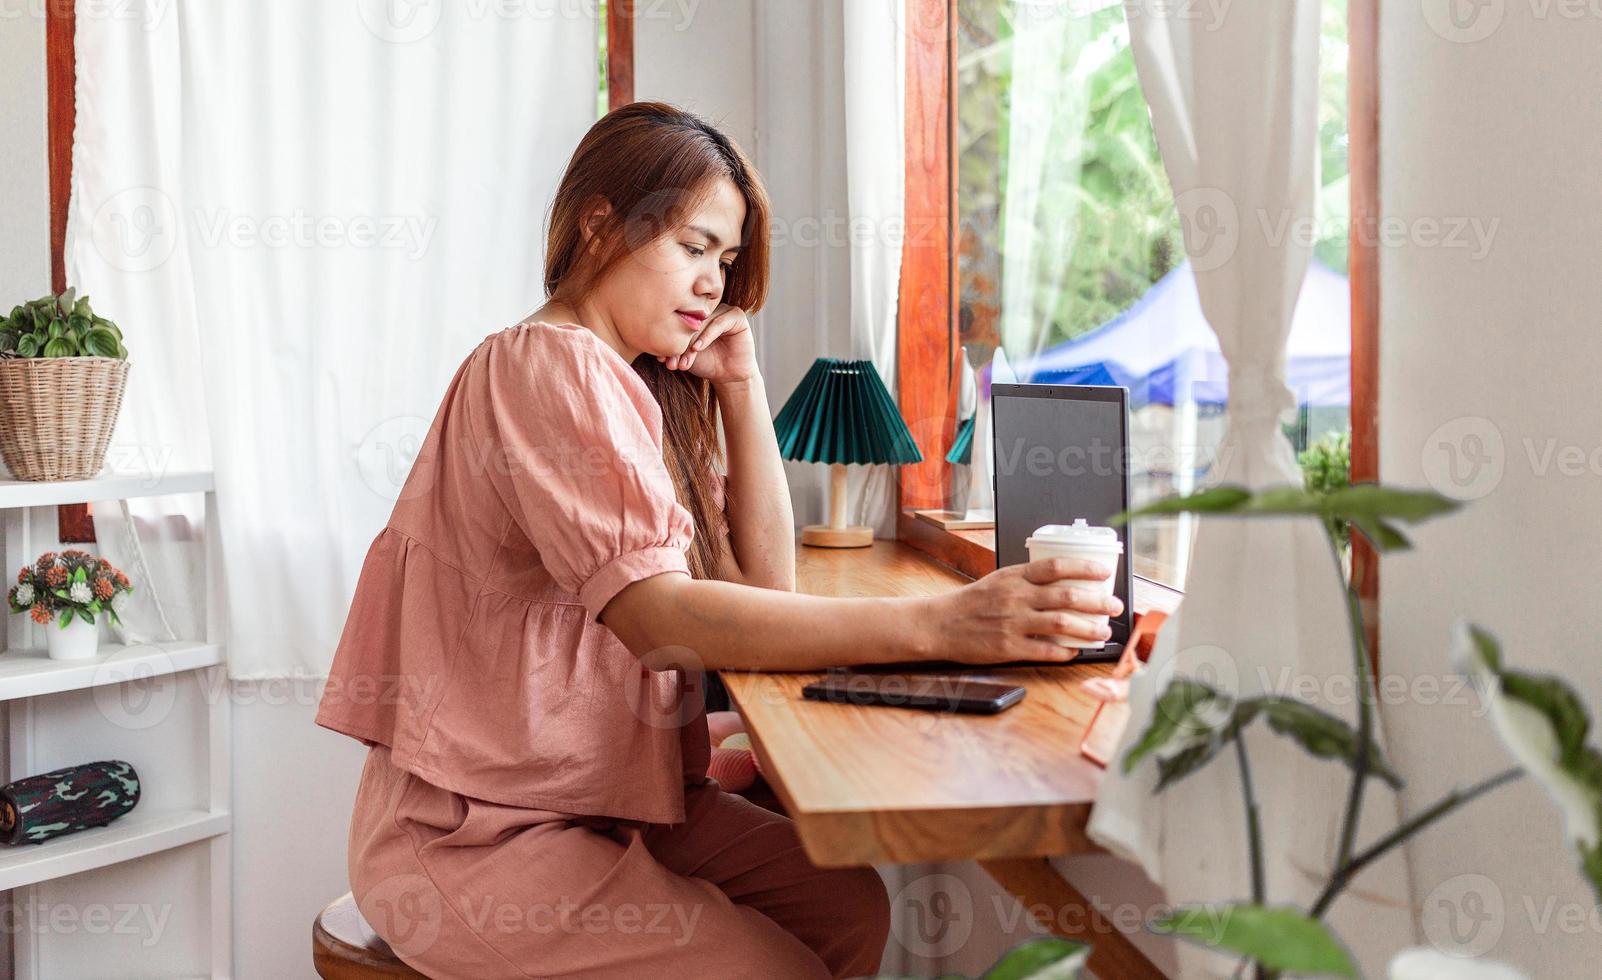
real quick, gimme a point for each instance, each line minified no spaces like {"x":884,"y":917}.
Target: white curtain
{"x":304,"y":215}
{"x":1048,"y":107}
{"x":875,"y":106}
{"x":1234,"y":106}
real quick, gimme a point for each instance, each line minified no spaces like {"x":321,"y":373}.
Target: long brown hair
{"x":655,"y":164}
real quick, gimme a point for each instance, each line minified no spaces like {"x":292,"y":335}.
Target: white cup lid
{"x":1080,"y":532}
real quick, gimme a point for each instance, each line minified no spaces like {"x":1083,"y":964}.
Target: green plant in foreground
{"x":1540,"y":718}
{"x":59,"y":326}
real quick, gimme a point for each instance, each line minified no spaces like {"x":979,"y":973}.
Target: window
{"x":1069,"y":263}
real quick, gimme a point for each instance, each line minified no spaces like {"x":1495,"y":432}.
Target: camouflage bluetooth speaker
{"x":65,"y":801}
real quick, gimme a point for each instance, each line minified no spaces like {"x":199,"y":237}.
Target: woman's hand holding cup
{"x":1080,"y":540}
{"x":1046,"y":609}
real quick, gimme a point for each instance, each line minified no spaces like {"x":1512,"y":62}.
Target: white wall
{"x":24,"y":163}
{"x":294,"y":789}
{"x":1496,"y":356}
{"x":24,"y":193}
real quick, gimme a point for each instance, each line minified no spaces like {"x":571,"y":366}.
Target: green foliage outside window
{"x":1127,"y":235}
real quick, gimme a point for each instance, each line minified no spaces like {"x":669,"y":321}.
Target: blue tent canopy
{"x":1161,"y":347}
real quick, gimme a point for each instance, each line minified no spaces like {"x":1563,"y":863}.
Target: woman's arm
{"x":761,"y":551}
{"x":671,"y":620}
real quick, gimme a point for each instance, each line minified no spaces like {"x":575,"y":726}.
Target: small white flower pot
{"x":80,"y":640}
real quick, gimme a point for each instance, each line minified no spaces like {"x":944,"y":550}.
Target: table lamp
{"x":841,"y":413}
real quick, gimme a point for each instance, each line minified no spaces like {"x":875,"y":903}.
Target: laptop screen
{"x":1060,"y":454}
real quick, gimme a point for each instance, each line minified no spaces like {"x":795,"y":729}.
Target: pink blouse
{"x":473,"y":647}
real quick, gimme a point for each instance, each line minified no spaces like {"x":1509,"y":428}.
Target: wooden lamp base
{"x":824,"y":536}
{"x":837,"y":533}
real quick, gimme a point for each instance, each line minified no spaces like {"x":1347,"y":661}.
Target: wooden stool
{"x":345,"y":947}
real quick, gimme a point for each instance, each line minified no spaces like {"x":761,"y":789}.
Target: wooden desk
{"x":869,"y":785}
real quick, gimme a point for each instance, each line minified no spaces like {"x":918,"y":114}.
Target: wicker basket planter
{"x":57,"y":414}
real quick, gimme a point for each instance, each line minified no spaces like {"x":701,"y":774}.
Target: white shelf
{"x":30,"y":673}
{"x":133,"y":836}
{"x":190,"y":786}
{"x":108,"y":486}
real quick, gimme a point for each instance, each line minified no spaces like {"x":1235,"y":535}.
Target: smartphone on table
{"x":930,"y":692}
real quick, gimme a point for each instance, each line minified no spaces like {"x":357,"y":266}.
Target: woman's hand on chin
{"x":722,"y":351}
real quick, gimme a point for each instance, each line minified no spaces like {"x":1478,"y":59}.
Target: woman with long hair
{"x":564,"y":563}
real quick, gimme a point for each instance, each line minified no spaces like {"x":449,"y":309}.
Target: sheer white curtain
{"x":304,"y":215}
{"x":1048,"y":108}
{"x":1234,"y":106}
{"x":875,"y":106}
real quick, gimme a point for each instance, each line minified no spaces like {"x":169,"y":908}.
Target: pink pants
{"x":462,"y":887}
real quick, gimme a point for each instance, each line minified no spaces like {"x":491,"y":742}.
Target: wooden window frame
{"x":73,"y":522}
{"x":619,"y":53}
{"x":927,"y":338}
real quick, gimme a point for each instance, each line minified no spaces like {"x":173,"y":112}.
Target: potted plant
{"x":79,"y":586}
{"x":62,"y":374}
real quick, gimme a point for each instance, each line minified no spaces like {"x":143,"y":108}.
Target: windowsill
{"x":973,"y":553}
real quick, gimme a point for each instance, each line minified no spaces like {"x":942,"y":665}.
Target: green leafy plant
{"x":59,"y":326}
{"x":73,"y":583}
{"x":1326,"y":468}
{"x":1541,"y":719}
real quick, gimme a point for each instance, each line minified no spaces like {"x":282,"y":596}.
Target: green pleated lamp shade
{"x":842,"y":413}
{"x":962,"y":443}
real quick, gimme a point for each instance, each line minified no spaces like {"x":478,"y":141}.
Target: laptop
{"x":1060,"y":453}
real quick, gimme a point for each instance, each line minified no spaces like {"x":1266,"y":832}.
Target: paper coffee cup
{"x":1080,"y":540}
